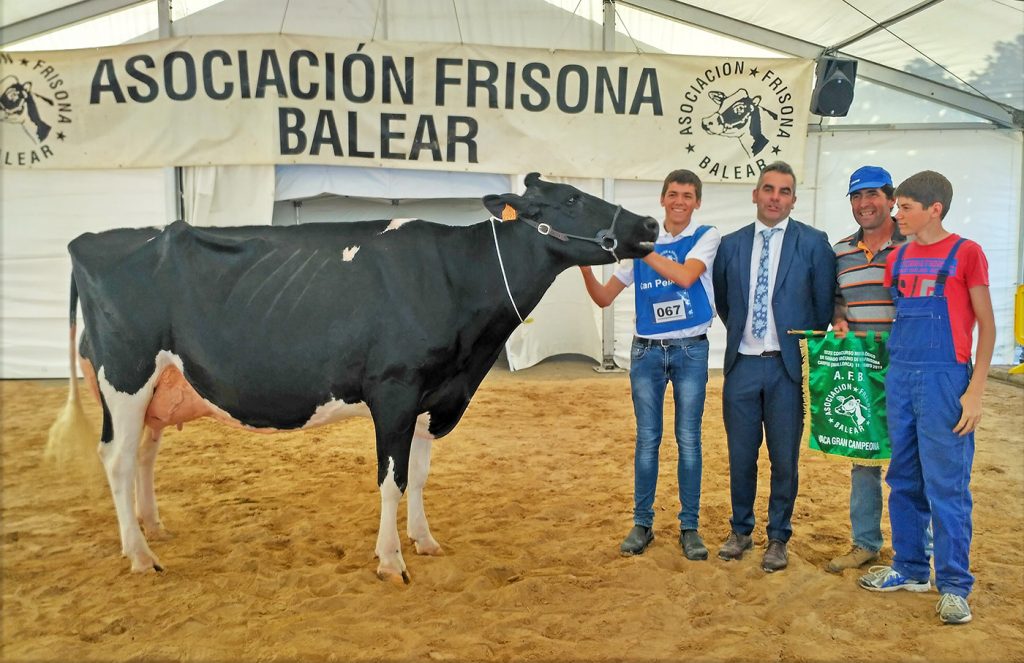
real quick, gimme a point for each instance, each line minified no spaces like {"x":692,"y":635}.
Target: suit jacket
{"x":804,"y":291}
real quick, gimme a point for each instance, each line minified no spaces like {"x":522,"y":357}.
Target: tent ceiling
{"x":968,"y":54}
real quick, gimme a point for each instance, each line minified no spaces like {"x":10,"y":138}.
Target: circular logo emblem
{"x":847,"y":409}
{"x":735,"y":118}
{"x":35,"y":109}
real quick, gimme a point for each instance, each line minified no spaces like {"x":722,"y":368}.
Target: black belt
{"x":767,"y":353}
{"x":668,"y":342}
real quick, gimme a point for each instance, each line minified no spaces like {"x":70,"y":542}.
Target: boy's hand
{"x":970,"y":404}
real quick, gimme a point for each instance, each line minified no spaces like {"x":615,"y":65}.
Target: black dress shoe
{"x":637,"y":540}
{"x":735,"y":546}
{"x":775,"y":557}
{"x":692,"y":545}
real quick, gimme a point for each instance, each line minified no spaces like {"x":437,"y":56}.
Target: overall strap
{"x":940,"y":280}
{"x":895,"y":287}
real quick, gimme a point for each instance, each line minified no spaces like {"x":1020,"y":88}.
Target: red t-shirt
{"x":920,"y":267}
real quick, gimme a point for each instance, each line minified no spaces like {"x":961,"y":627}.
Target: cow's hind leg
{"x":145,"y":489}
{"x":123,"y":417}
{"x":419,"y":467}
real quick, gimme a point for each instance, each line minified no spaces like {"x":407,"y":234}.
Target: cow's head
{"x":733,"y":115}
{"x":585,"y":229}
{"x":13,"y":95}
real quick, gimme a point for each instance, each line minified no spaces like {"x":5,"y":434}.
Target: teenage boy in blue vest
{"x":674,"y":308}
{"x":933,"y":397}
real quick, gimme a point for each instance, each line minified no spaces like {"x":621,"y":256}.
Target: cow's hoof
{"x":394,"y":577}
{"x":145,"y":563}
{"x":428,"y":547}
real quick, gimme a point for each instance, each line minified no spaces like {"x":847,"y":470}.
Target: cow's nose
{"x":651,"y":225}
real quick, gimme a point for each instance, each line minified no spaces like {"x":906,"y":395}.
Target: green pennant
{"x":844,"y":396}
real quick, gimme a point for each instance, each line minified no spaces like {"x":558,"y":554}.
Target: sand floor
{"x":271,"y":554}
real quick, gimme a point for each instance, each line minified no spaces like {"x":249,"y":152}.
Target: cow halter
{"x":504,"y":277}
{"x":604,"y":238}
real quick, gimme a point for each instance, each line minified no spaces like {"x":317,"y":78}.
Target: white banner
{"x":281,"y":99}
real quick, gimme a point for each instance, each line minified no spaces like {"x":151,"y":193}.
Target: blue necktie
{"x":760,"y":324}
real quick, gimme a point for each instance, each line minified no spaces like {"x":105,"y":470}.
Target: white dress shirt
{"x":749,"y":344}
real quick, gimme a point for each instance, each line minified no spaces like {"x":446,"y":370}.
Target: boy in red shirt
{"x":933,"y":398}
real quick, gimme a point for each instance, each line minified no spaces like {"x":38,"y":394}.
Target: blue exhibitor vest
{"x":661,"y":305}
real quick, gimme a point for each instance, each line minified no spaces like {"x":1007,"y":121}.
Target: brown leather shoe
{"x":857,"y":557}
{"x":775,"y":557}
{"x":735,"y":546}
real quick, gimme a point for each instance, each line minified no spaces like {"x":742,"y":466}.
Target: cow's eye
{"x":572,"y":200}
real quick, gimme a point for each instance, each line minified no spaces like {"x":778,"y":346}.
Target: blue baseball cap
{"x":869,"y":177}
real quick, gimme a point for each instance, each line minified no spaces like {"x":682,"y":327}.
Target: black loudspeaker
{"x":833,"y":86}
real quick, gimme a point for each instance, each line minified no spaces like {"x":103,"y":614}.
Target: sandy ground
{"x":271,"y":557}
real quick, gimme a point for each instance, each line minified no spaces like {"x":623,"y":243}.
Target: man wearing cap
{"x":864,"y":304}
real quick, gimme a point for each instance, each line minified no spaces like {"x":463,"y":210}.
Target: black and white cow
{"x":291,"y":327}
{"x":738,"y":116}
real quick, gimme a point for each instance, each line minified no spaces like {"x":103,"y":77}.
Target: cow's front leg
{"x":145,"y":490}
{"x":419,"y":467}
{"x":389,"y":547}
{"x":119,"y":445}
{"x":394,"y":419}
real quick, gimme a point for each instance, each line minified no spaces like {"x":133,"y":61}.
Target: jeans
{"x":651,"y":369}
{"x":866,"y":509}
{"x":866,"y":506}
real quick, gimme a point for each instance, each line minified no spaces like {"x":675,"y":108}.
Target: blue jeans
{"x":866,"y":506}
{"x":866,"y":509}
{"x":686,"y":366}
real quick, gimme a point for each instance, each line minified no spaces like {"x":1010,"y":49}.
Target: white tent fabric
{"x":40,"y":215}
{"x":229,"y":195}
{"x":41,"y":211}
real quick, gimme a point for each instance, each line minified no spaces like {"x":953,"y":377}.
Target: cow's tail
{"x":72,"y":440}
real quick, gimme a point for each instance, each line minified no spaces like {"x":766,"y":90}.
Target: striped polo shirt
{"x":859,"y":278}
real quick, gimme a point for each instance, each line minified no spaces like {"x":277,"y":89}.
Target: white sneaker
{"x":953,"y":609}
{"x":887,"y":579}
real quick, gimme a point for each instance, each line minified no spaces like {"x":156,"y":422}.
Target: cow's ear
{"x":716,"y":96}
{"x":496,"y":204}
{"x":532,"y":179}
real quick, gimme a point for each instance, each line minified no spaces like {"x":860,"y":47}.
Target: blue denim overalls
{"x":931,"y":465}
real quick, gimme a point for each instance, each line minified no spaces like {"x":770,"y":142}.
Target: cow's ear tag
{"x":509,"y":213}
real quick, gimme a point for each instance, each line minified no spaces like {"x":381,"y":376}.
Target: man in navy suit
{"x":771,"y":276}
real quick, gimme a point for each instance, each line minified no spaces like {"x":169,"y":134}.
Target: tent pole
{"x":608,"y":193}
{"x":173,"y":200}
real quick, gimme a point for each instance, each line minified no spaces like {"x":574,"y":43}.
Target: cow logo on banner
{"x":735,"y":119}
{"x":35,"y":110}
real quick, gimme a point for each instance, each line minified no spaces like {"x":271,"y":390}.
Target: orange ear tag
{"x":509,"y":213}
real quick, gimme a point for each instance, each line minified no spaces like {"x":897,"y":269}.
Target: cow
{"x":738,"y":116}
{"x":274,"y":328}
